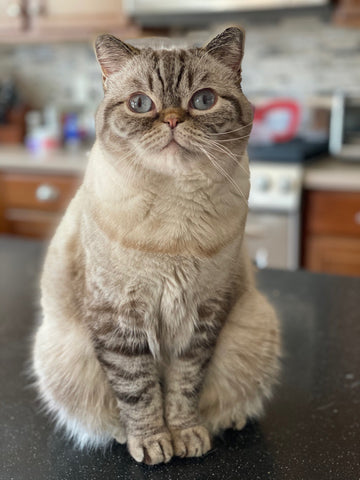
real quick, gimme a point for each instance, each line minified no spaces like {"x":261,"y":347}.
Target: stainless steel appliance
{"x":273,"y":226}
{"x":345,"y":126}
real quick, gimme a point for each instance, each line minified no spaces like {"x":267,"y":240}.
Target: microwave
{"x":344,"y":141}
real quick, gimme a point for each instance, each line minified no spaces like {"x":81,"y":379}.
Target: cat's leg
{"x":244,"y":367}
{"x":185,"y":376}
{"x":73,"y":385}
{"x":126,"y":359}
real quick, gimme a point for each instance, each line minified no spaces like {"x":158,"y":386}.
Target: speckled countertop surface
{"x":311,"y":429}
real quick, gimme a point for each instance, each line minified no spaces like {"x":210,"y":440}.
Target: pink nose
{"x":172,"y":119}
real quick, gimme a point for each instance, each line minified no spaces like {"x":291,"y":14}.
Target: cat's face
{"x":173,"y":110}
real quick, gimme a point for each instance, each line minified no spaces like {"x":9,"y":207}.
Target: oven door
{"x":272,"y":239}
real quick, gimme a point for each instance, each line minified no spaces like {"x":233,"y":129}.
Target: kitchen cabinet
{"x":31,"y":204}
{"x":53,"y":20}
{"x":347,"y":13}
{"x":331,"y":239}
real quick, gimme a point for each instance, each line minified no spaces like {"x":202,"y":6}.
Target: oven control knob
{"x":285,"y":184}
{"x":262,"y":183}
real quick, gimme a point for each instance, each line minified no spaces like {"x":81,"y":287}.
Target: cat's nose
{"x":173,"y":117}
{"x":172,"y":120}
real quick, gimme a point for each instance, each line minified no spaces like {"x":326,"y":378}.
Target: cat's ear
{"x":112,"y":53}
{"x":228,"y":48}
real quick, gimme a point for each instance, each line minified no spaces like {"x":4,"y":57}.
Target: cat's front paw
{"x":191,"y":442}
{"x":151,"y":450}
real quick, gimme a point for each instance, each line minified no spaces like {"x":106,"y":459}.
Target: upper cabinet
{"x":47,"y":20}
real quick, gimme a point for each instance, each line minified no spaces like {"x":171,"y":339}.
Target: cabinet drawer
{"x":32,"y":223}
{"x":333,"y":212}
{"x":338,"y":255}
{"x":41,"y":192}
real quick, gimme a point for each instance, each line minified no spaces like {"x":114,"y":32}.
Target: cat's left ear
{"x":228,"y":48}
{"x":112,"y":53}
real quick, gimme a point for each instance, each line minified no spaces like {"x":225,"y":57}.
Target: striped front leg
{"x":184,"y":381}
{"x":129,"y":366}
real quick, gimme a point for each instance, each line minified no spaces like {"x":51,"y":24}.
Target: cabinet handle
{"x":357,"y":218}
{"x":47,"y":193}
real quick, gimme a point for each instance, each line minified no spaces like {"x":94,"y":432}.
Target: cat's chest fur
{"x":156,"y":293}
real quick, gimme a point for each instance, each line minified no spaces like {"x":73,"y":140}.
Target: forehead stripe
{"x":160,"y":78}
{"x":235,"y":102}
{"x":180,"y":76}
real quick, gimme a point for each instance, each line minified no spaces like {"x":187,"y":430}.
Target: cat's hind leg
{"x":244,"y":366}
{"x":73,"y":385}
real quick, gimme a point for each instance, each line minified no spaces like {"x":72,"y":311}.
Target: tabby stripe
{"x":160,"y":78}
{"x":235,"y":102}
{"x":123,"y":349}
{"x":190,"y":79}
{"x":135,"y":397}
{"x":120,"y":372}
{"x":193,"y":392}
{"x":109,"y":108}
{"x":204,"y":78}
{"x":180,"y":76}
{"x":150,"y":82}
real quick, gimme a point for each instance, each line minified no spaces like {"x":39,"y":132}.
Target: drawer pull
{"x":47,"y":193}
{"x":357,"y":218}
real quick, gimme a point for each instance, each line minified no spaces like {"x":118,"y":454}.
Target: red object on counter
{"x":288,"y":107}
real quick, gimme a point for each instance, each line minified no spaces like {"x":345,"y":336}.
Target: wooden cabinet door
{"x":32,"y":204}
{"x":339,"y":255}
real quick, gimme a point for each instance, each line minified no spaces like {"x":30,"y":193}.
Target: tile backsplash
{"x":297,"y":56}
{"x":66,"y":75}
{"x":301,"y":56}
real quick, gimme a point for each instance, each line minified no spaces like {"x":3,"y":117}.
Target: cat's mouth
{"x":173,"y":145}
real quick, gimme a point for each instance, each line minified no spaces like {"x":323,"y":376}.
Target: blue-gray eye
{"x":140,"y":103}
{"x":203,"y":99}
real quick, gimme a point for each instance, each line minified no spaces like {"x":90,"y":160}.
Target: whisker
{"x":220,"y":169}
{"x":233,"y":156}
{"x":233,"y":139}
{"x":232,"y":131}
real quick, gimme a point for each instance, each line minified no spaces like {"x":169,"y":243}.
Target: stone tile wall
{"x":299,"y":56}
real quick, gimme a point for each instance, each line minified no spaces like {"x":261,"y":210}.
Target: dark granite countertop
{"x":311,"y":429}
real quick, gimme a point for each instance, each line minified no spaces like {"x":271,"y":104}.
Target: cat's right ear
{"x":112,"y":53}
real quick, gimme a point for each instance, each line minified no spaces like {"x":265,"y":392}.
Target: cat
{"x":153,"y":332}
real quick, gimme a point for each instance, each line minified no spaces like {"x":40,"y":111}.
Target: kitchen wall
{"x":66,"y":75}
{"x":298,"y":56}
{"x":302,"y":55}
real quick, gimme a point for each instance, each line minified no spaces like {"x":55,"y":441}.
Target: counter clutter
{"x":311,"y":429}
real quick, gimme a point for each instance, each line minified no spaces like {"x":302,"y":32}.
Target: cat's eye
{"x":140,"y":103}
{"x":203,"y":99}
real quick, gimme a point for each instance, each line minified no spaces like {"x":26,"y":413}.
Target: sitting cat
{"x":153,"y":332}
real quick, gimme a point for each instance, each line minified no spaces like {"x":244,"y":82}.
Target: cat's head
{"x":174,"y":110}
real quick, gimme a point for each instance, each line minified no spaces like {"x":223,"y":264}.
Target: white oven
{"x":273,"y":227}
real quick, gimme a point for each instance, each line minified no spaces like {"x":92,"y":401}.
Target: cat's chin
{"x":173,"y":147}
{"x":172,"y":159}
